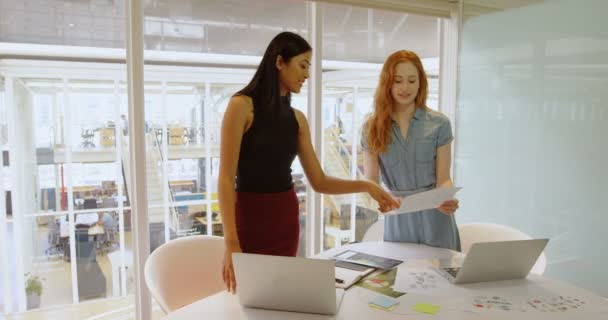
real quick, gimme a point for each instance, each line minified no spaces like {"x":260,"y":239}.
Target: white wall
{"x":532,"y":127}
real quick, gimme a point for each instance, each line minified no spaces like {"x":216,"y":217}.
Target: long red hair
{"x":379,"y":123}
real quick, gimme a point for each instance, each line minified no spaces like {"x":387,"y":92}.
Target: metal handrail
{"x":159,"y":155}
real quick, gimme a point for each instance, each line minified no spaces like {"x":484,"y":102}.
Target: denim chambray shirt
{"x":408,"y":166}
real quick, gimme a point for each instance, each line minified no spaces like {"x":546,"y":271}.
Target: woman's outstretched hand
{"x":385,"y":200}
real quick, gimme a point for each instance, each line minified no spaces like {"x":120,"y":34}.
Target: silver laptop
{"x":286,"y":283}
{"x":495,"y":261}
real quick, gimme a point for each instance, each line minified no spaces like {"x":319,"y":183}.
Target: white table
{"x":90,"y":218}
{"x":455,"y":303}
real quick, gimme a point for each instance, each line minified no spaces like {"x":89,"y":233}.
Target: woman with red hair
{"x":409,"y":146}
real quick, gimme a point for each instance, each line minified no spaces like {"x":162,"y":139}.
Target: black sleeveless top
{"x":268,"y":149}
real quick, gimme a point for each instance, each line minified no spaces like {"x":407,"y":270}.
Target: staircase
{"x":338,"y":162}
{"x":154,"y":180}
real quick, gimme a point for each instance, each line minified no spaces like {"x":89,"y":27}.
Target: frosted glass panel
{"x":532,"y":126}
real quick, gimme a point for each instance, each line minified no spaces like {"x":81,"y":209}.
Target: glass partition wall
{"x":65,"y":136}
{"x":532,"y":123}
{"x":75,"y":230}
{"x":78,"y":151}
{"x":365,"y":38}
{"x":69,"y":207}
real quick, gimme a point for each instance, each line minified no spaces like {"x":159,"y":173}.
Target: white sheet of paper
{"x":420,"y":280}
{"x":425,"y":200}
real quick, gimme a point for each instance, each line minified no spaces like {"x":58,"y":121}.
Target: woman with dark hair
{"x":409,"y":146}
{"x":260,"y":137}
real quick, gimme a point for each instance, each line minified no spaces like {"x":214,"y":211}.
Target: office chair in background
{"x":490,"y":232}
{"x":375,"y":231}
{"x":185,"y":270}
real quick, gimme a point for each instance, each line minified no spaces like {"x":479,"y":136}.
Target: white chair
{"x":490,"y":232}
{"x":375,"y":232}
{"x":185,"y":270}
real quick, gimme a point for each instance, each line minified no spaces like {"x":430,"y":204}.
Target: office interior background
{"x":529,"y":116}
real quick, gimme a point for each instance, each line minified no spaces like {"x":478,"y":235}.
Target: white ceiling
{"x":474,"y":8}
{"x":229,"y":26}
{"x":241,"y":27}
{"x":501,"y":4}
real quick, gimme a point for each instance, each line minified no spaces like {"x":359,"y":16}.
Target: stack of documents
{"x":369,"y":260}
{"x":348,"y":274}
{"x":352,"y":266}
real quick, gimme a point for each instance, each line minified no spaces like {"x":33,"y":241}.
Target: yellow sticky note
{"x":426,"y":308}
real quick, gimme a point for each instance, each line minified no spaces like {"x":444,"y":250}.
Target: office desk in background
{"x":82,"y":218}
{"x":216,"y":225}
{"x":355,"y":302}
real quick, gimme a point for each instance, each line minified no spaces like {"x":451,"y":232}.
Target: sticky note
{"x":426,"y":308}
{"x":383,"y":309}
{"x":384,"y":302}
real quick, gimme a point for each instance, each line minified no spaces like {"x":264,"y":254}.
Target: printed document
{"x":425,"y":200}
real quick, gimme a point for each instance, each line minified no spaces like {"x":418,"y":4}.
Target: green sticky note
{"x":426,"y":308}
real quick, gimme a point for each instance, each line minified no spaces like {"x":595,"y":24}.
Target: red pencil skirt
{"x":267,"y":223}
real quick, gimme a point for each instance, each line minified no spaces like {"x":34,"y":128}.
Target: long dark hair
{"x":264,"y":88}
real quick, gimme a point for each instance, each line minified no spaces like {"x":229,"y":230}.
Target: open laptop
{"x":495,"y":261}
{"x":286,"y":283}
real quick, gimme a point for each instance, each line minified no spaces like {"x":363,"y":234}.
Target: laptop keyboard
{"x":452,"y":271}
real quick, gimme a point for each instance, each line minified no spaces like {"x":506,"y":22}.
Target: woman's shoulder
{"x":435,"y":116}
{"x":242,"y":101}
{"x":299,"y":114}
{"x":243,"y":105}
{"x":300,"y":118}
{"x":239,"y":111}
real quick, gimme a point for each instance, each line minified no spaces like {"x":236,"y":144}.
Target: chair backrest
{"x":90,"y":203}
{"x":185,"y":270}
{"x":489,"y":232}
{"x":112,"y":233}
{"x":108,"y":203}
{"x":85,"y":246}
{"x":53,"y":231}
{"x":375,"y":232}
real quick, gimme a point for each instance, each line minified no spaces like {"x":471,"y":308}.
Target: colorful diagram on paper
{"x":423,"y":280}
{"x":494,"y":303}
{"x":556,"y":304}
{"x":540,"y":304}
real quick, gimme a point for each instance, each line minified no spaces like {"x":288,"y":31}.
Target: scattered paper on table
{"x":555,"y":303}
{"x":425,"y":200}
{"x":549,"y":303}
{"x":419,"y":280}
{"x":495,"y":302}
{"x":381,"y":282}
